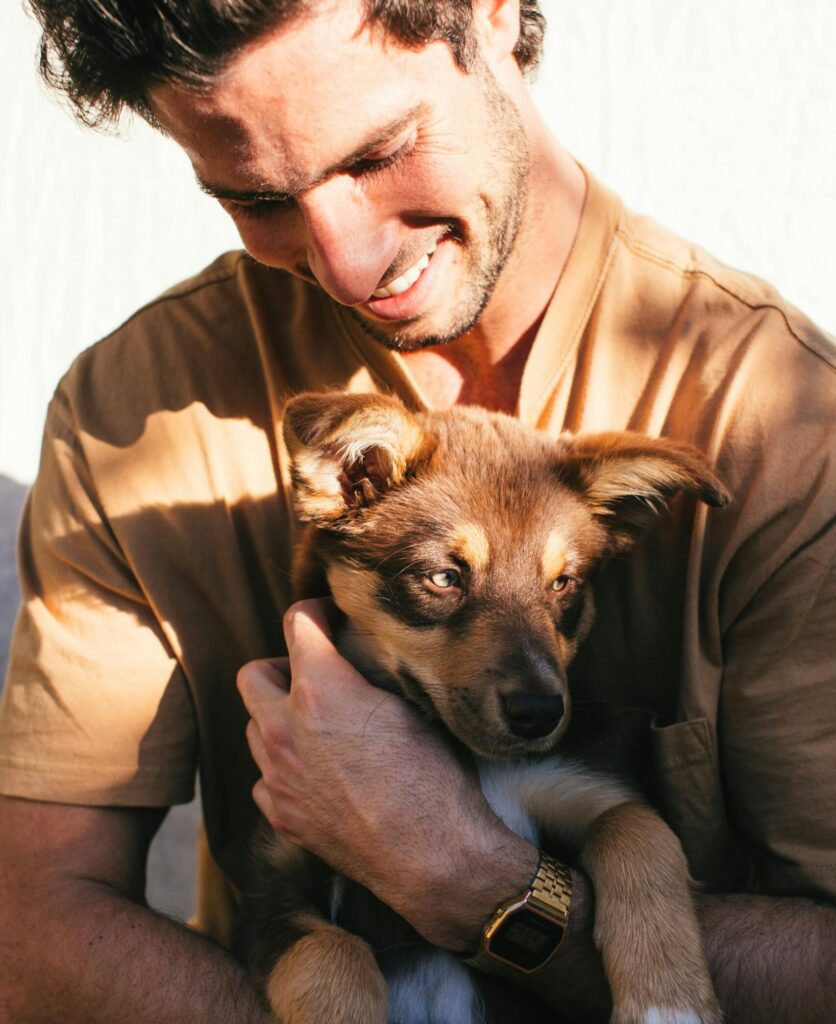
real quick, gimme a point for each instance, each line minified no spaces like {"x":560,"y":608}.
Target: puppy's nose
{"x":532,"y":715}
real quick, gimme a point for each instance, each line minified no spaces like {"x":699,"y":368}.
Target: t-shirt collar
{"x":561,"y":329}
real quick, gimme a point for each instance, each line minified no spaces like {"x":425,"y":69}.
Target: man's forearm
{"x":772,"y":960}
{"x":99,"y":958}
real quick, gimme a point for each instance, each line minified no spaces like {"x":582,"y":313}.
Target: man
{"x":425,"y":234}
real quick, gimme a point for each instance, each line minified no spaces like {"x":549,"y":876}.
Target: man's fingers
{"x":263,"y":684}
{"x":257,"y":747}
{"x":312,"y":614}
{"x":321,"y":610}
{"x":307,"y":630}
{"x":263,"y":801}
{"x":280,"y":664}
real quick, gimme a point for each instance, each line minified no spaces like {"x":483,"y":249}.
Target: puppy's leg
{"x":327,"y":976}
{"x":310,"y":971}
{"x":645,"y":922}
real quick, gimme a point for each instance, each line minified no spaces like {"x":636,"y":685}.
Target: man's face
{"x":388,"y":176}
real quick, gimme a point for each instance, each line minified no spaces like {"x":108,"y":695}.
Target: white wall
{"x":716,"y":116}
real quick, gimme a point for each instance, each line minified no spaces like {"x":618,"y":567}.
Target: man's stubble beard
{"x":510,"y":166}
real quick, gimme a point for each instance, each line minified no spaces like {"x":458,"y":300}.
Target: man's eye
{"x":445,"y":579}
{"x":388,"y":157}
{"x":369,"y":166}
{"x":253,"y":208}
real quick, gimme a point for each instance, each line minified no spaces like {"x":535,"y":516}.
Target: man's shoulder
{"x":204,"y":343}
{"x":183,"y":379}
{"x":686,"y":346}
{"x":723,"y":301}
{"x":193,"y":320}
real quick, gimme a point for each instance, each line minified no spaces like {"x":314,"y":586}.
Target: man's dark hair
{"x":104,"y":55}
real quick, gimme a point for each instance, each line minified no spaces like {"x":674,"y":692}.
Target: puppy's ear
{"x":630,"y":478}
{"x":347,"y":451}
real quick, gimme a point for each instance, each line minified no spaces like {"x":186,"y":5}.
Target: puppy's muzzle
{"x":532,"y":715}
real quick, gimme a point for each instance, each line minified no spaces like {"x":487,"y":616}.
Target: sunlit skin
{"x":345,"y":158}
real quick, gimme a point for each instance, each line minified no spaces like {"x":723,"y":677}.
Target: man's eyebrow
{"x":376,"y":138}
{"x":243,"y":195}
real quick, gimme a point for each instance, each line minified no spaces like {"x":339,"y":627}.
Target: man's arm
{"x":772,"y":960}
{"x":351,"y":774}
{"x":77,"y":942}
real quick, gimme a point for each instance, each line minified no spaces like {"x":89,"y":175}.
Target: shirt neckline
{"x":560,"y":331}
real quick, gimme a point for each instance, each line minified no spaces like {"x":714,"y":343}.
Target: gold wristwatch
{"x":525,"y":933}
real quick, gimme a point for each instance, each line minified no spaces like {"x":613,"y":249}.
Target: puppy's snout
{"x":532,"y":715}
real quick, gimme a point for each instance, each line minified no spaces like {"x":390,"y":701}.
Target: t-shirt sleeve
{"x":95,"y":708}
{"x":777,"y":724}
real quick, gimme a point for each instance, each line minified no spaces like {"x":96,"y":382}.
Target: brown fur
{"x":462,"y":548}
{"x":328,"y":975}
{"x":645,"y":923}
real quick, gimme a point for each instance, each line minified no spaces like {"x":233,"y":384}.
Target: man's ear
{"x":629,"y":479}
{"x":497,"y":27}
{"x":347,"y":451}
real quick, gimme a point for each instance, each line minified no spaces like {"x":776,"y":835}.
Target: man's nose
{"x":349,"y":244}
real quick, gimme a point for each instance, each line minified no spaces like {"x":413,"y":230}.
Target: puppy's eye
{"x":561,"y":583}
{"x":445,"y":579}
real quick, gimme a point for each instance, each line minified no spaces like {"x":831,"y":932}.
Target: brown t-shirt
{"x":157,"y":539}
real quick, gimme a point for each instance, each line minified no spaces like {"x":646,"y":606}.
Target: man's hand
{"x":358,"y":777}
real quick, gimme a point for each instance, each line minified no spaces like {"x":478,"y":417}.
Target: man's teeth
{"x":406,"y":280}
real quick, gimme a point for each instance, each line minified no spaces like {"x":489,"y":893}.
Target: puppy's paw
{"x":663,"y":997}
{"x":328,"y":977}
{"x":666,"y":1015}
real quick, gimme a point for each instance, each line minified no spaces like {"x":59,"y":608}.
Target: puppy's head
{"x":461,"y":547}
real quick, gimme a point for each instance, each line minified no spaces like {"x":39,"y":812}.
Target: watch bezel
{"x":504,"y":916}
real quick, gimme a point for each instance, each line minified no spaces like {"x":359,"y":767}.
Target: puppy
{"x":461,"y":548}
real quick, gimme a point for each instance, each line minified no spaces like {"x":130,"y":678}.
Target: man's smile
{"x":415,"y":291}
{"x":406,"y":280}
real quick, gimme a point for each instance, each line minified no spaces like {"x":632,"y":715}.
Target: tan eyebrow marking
{"x":471,"y":542}
{"x":554,"y":556}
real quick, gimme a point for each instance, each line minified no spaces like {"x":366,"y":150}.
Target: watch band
{"x":548,"y":897}
{"x":552,"y":888}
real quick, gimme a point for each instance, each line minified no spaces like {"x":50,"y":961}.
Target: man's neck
{"x":485,"y":366}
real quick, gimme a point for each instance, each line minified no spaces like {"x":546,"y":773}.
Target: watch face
{"x":526,"y":939}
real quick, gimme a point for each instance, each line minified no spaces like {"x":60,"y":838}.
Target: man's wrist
{"x":485,"y":875}
{"x":500,"y":877}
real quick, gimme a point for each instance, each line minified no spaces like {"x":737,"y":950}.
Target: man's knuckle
{"x":252,"y":732}
{"x":290,"y":620}
{"x":277,"y":821}
{"x":274,"y":736}
{"x":272,"y":780}
{"x":248,"y":678}
{"x":307,"y":698}
{"x":242,"y":680}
